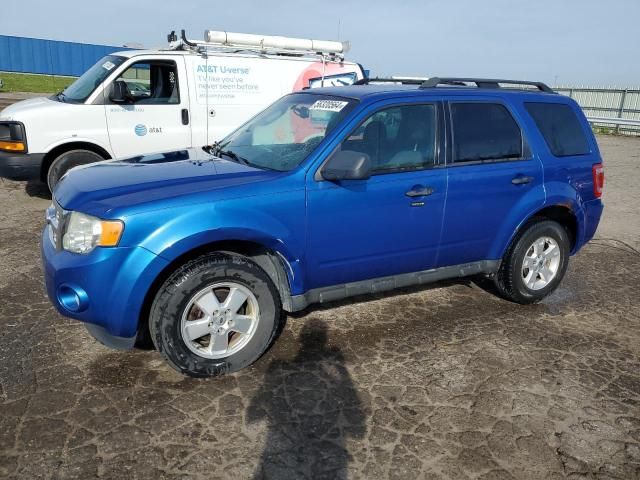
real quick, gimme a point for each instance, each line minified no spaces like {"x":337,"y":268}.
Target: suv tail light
{"x":598,"y":179}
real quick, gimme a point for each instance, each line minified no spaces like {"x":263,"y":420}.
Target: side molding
{"x":382,"y":284}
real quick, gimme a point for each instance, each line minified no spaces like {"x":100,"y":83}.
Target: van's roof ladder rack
{"x":263,"y":44}
{"x":482,"y":83}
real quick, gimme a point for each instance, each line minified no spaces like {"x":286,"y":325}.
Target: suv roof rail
{"x":482,"y":83}
{"x":403,"y":81}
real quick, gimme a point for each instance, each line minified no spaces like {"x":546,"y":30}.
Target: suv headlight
{"x":13,"y":137}
{"x":83,"y":233}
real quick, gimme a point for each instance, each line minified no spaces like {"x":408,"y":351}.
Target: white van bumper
{"x":21,"y":166}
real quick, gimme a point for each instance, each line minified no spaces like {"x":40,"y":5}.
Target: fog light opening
{"x":73,"y":299}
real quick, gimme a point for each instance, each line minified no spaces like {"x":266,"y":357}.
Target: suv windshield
{"x":283,"y":135}
{"x":79,"y":91}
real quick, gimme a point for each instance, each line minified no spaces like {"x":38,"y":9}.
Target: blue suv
{"x":324,"y":195}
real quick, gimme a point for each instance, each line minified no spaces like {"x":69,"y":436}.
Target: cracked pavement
{"x":447,"y":381}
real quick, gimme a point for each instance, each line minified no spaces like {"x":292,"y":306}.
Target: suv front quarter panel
{"x":273,"y":220}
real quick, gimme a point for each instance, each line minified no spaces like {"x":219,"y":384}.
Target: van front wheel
{"x":66,"y":161}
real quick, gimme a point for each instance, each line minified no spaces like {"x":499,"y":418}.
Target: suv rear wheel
{"x":66,"y":161}
{"x":535,"y":263}
{"x":215,"y":315}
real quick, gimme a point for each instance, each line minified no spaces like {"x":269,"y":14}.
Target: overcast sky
{"x":568,"y":42}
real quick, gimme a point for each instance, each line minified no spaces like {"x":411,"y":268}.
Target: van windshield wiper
{"x":61,"y":96}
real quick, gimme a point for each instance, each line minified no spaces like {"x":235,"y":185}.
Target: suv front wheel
{"x":215,"y":315}
{"x":535,"y":263}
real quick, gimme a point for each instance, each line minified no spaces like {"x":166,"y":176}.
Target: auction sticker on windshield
{"x":328,"y":105}
{"x":108,"y":65}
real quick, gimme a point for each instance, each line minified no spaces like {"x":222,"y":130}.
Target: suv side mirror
{"x":120,"y":92}
{"x":347,"y":165}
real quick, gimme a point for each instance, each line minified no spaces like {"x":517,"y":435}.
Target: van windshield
{"x":79,"y":91}
{"x":283,"y":135}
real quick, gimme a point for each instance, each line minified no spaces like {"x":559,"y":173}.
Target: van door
{"x":150,"y":112}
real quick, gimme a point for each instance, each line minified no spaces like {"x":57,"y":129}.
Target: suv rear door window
{"x":560,"y":128}
{"x":484,"y":131}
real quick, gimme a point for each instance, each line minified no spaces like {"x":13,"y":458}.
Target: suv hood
{"x":124,"y":187}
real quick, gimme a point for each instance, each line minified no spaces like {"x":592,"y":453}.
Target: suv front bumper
{"x":21,"y":166}
{"x":106,"y":288}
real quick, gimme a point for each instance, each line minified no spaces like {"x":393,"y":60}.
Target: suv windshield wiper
{"x":233,"y":156}
{"x":217,"y":150}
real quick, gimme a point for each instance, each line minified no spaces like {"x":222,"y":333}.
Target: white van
{"x":143,"y":101}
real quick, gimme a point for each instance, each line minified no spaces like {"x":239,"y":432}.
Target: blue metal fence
{"x":51,"y":57}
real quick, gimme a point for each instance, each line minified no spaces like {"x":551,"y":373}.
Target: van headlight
{"x":12,"y":137}
{"x":83,"y":233}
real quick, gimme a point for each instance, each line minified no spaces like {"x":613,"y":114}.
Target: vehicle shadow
{"x":312,"y":408}
{"x":35,"y":188}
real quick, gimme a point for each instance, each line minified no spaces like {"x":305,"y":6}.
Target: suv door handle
{"x":521,"y":180}
{"x":185,"y":116}
{"x":419,"y":191}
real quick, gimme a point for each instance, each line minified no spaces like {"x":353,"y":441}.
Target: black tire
{"x":175,"y":294}
{"x":509,"y":280}
{"x":66,"y":161}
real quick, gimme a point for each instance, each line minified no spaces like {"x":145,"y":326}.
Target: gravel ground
{"x":441,"y":382}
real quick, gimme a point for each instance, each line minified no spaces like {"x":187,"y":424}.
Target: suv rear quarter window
{"x":560,"y":128}
{"x":484,"y":131}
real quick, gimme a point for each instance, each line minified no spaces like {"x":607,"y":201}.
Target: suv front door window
{"x":397,"y":139}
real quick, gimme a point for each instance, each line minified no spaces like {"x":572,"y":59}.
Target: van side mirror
{"x":120,"y":92}
{"x":347,"y":165}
